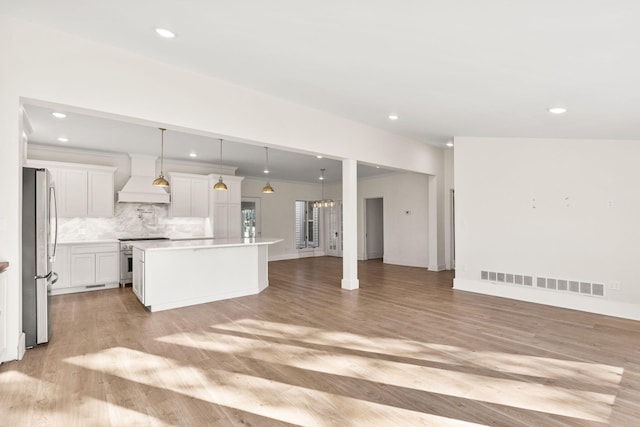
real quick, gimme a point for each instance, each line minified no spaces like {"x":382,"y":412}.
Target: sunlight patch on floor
{"x":288,"y":403}
{"x":525,"y":395}
{"x":56,"y":406}
{"x":543,"y":367}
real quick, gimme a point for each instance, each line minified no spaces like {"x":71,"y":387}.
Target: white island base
{"x":169,"y":275}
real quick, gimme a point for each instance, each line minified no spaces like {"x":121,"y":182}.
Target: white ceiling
{"x":446,"y":67}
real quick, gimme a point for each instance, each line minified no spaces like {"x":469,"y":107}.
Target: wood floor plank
{"x":404,"y":349}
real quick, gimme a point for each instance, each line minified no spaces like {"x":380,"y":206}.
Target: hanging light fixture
{"x":324,"y":203}
{"x":160,"y":181}
{"x":267,"y":188}
{"x":220,"y":185}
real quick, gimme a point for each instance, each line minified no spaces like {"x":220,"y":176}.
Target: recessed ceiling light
{"x":377,"y":167}
{"x":557,"y":110}
{"x":165,"y":33}
{"x":319,"y":157}
{"x":266,"y":171}
{"x":393,"y":117}
{"x":63,"y":139}
{"x":193,"y":154}
{"x":449,"y":144}
{"x":58,"y":115}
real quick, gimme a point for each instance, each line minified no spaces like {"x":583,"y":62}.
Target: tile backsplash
{"x":132,"y":220}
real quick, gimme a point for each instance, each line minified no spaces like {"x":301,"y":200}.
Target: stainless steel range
{"x":126,"y":256}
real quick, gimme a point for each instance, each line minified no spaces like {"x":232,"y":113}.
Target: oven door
{"x":126,"y":266}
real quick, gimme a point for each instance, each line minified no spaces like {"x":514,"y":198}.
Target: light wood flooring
{"x":404,"y":349}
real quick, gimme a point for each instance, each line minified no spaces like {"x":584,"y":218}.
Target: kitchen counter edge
{"x":202,"y":244}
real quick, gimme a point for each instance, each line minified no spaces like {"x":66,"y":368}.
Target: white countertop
{"x":154,"y":245}
{"x":86,"y":242}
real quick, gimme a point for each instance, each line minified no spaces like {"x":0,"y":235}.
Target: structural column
{"x":350,"y":224}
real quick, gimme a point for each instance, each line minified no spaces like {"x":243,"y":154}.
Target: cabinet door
{"x":138,"y":274}
{"x":235,"y":191}
{"x":107,"y":268}
{"x":221,"y":221}
{"x":199,"y":197}
{"x":72,"y":193}
{"x":83,"y":269}
{"x":100,"y":194}
{"x":62,"y":267}
{"x":234,"y":221}
{"x":180,"y":196}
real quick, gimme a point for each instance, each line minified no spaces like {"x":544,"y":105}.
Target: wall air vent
{"x":547,"y":283}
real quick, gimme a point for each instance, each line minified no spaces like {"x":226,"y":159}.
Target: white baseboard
{"x":589,"y":304}
{"x":388,"y":260}
{"x":440,"y":267}
{"x":283,"y":257}
{"x":350,"y":284}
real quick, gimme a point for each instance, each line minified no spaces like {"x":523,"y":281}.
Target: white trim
{"x":76,"y":289}
{"x":402,"y":262}
{"x":22,"y":346}
{"x":299,"y":255}
{"x":573,"y":302}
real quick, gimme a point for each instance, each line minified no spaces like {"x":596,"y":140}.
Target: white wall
{"x":39,"y":63}
{"x":405,"y":235}
{"x":565,"y":209}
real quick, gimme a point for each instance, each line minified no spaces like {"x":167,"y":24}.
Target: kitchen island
{"x":172,"y":274}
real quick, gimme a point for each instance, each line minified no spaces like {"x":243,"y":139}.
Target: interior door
{"x":333,"y":220}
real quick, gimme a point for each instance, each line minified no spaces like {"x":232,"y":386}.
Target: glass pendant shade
{"x":160,"y":181}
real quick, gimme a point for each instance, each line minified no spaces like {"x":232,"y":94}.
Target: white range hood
{"x":139,"y":189}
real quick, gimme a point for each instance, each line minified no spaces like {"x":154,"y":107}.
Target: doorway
{"x":374,"y":228}
{"x":333,"y":220}
{"x":250,"y":210}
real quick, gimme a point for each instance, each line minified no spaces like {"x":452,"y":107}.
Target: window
{"x":307,"y":225}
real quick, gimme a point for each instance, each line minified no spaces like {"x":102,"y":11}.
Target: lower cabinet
{"x":87,"y":266}
{"x":138,"y":274}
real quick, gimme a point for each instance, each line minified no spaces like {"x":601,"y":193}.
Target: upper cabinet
{"x":225,"y":207}
{"x":189,"y":195}
{"x":81,"y":190}
{"x":233,"y":194}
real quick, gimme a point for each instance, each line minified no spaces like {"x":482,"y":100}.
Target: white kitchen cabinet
{"x":83,"y":269}
{"x":82,"y":190}
{"x":71,"y":193}
{"x":200,"y":197}
{"x":86,"y":266}
{"x":138,"y":274}
{"x":189,"y":195}
{"x":99,"y":193}
{"x":107,"y":270}
{"x":62,"y":267}
{"x":225,"y":209}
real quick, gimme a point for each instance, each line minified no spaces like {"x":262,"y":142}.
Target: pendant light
{"x":220,"y":185}
{"x":267,"y":189}
{"x":160,"y":181}
{"x":324,"y":203}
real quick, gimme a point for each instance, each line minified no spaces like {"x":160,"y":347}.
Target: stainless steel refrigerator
{"x":39,"y":243}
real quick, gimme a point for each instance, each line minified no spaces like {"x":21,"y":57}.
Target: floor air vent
{"x":536,"y":282}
